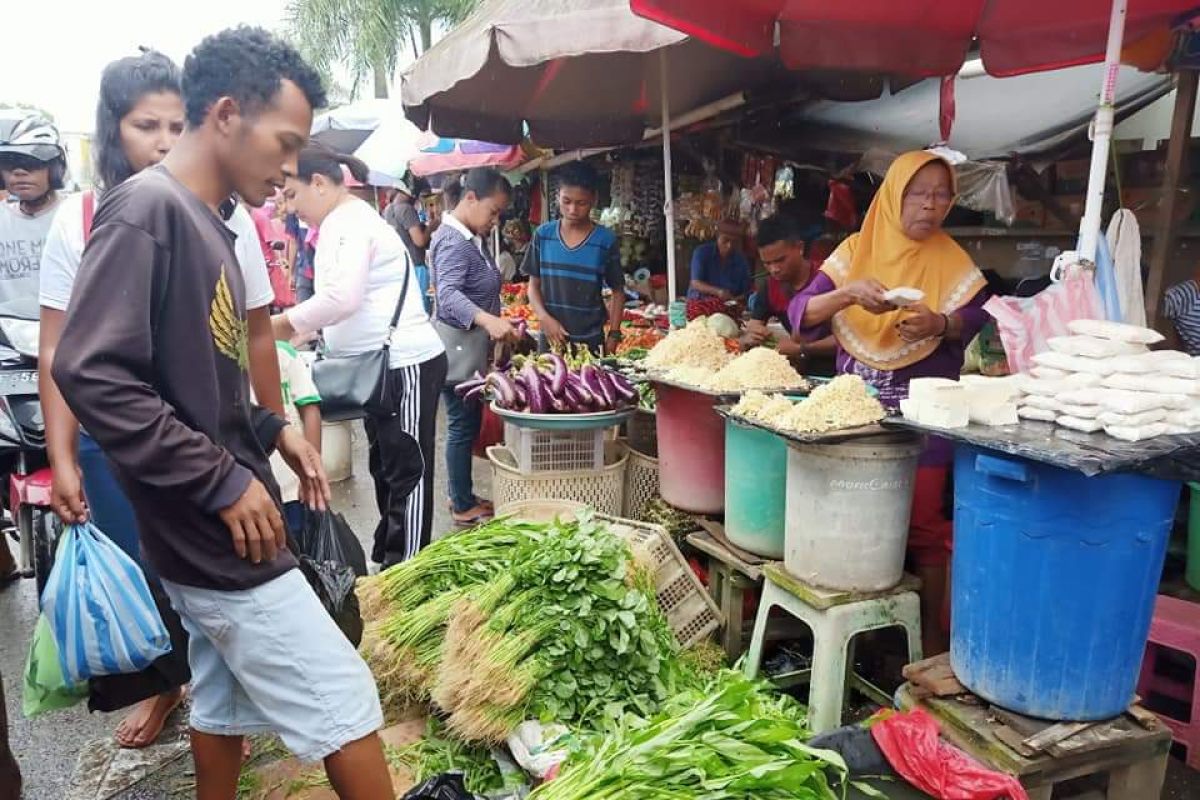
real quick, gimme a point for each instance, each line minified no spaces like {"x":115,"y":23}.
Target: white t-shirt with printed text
{"x":298,"y":390}
{"x":22,"y":239}
{"x":63,"y":252}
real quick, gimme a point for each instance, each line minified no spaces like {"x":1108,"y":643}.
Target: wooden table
{"x":1131,"y":750}
{"x":728,"y":579}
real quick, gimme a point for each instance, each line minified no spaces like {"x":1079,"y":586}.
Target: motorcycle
{"x":23,"y":459}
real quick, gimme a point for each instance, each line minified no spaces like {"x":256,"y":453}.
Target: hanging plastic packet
{"x":785,"y":183}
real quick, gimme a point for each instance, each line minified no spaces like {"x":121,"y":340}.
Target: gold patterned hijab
{"x":881,"y":250}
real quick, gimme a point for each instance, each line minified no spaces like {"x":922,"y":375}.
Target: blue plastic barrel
{"x":755,"y":489}
{"x":1053,"y":583}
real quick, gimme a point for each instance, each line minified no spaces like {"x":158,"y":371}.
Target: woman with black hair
{"x":363,"y":274}
{"x":468,"y":282}
{"x":139,"y":116}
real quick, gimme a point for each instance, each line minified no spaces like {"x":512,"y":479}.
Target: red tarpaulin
{"x":920,"y":38}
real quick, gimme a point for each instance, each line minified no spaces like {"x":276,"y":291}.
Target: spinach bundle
{"x":733,"y":740}
{"x":578,"y":636}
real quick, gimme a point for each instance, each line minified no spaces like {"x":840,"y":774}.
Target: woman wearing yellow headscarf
{"x":902,"y":244}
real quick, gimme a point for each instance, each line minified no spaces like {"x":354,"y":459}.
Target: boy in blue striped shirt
{"x":569,"y":262}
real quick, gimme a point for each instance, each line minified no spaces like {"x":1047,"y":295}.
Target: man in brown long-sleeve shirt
{"x":153,"y":361}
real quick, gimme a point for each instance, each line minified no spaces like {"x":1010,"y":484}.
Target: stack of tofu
{"x":946,"y":403}
{"x":1104,"y":377}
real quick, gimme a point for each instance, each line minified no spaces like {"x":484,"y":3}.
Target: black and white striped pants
{"x":401,"y":460}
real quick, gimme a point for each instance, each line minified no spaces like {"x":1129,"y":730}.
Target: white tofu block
{"x":999,"y":414}
{"x":919,"y":388}
{"x":938,"y":415}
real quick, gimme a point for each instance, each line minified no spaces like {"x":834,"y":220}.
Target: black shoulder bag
{"x":353,"y":387}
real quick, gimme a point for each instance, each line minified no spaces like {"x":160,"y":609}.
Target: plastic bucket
{"x":1054,"y":581}
{"x":337,"y":440}
{"x":755,"y":489}
{"x":848,"y":508}
{"x":691,"y":450}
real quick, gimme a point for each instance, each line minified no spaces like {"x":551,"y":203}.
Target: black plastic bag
{"x":447,"y":786}
{"x":328,"y":537}
{"x":334,"y":585}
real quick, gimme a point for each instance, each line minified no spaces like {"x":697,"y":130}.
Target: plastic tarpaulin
{"x":571,"y":74}
{"x":982,"y":185}
{"x":921,"y":38}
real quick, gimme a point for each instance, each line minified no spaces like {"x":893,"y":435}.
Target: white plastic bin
{"x":337,"y":439}
{"x":848,"y":507}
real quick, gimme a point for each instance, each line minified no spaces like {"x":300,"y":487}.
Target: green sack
{"x":45,"y":687}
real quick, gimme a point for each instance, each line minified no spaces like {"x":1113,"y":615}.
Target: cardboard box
{"x":1029,"y":214}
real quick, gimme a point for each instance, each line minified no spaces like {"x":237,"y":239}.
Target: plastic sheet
{"x":910,"y":742}
{"x":1175,"y":458}
{"x":328,"y":537}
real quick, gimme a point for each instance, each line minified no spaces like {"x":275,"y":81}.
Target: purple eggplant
{"x":505,"y":391}
{"x":474,"y":393}
{"x":624,"y":389}
{"x":558,"y":372}
{"x":467,"y":385}
{"x":594,"y":380}
{"x":522,"y":396}
{"x":535,"y":389}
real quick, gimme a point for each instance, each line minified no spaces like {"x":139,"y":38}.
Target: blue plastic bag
{"x":100,"y":609}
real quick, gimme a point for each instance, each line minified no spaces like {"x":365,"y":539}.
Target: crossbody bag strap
{"x":387,"y":343}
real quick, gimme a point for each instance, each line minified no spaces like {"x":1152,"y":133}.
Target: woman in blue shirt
{"x":718,"y":268}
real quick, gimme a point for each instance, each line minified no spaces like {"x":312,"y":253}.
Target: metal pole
{"x":1089,"y":226}
{"x":1165,"y":229}
{"x":668,"y":203}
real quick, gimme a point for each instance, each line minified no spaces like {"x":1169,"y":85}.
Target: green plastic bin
{"x":755,"y":489}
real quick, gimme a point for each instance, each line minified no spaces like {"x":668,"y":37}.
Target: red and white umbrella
{"x":924,"y":38}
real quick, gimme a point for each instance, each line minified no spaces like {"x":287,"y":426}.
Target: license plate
{"x":19,"y":382}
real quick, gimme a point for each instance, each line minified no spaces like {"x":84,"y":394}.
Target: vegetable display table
{"x":1130,"y":750}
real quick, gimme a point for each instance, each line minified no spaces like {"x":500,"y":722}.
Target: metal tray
{"x":826,"y":437}
{"x":564,"y":422}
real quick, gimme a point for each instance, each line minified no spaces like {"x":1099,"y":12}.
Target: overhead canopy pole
{"x":1177,"y":153}
{"x":668,"y":203}
{"x":1089,"y":226}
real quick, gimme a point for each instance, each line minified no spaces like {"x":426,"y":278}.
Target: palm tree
{"x":367,"y":36}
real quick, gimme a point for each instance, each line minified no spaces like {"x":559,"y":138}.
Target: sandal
{"x":472,"y":517}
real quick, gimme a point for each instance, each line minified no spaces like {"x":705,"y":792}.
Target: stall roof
{"x":919,"y":37}
{"x":996,"y":117}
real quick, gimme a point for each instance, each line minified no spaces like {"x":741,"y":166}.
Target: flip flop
{"x":472,"y":521}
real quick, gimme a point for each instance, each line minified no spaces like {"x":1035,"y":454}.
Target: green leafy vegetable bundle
{"x":437,"y":753}
{"x":733,"y":740}
{"x":560,"y":625}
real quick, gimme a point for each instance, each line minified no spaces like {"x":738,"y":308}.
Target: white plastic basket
{"x":691,"y":612}
{"x":641,"y":483}
{"x":603,"y":489}
{"x":539,"y":450}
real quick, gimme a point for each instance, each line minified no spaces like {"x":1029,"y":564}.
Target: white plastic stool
{"x":835,"y":618}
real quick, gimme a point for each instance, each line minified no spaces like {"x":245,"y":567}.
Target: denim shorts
{"x":271,"y":660}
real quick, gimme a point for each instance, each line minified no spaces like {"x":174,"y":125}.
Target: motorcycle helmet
{"x":33,"y":137}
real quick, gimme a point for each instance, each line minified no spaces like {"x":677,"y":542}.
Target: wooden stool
{"x":835,"y":618}
{"x":1175,"y":626}
{"x":728,"y":579}
{"x":1131,"y":750}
